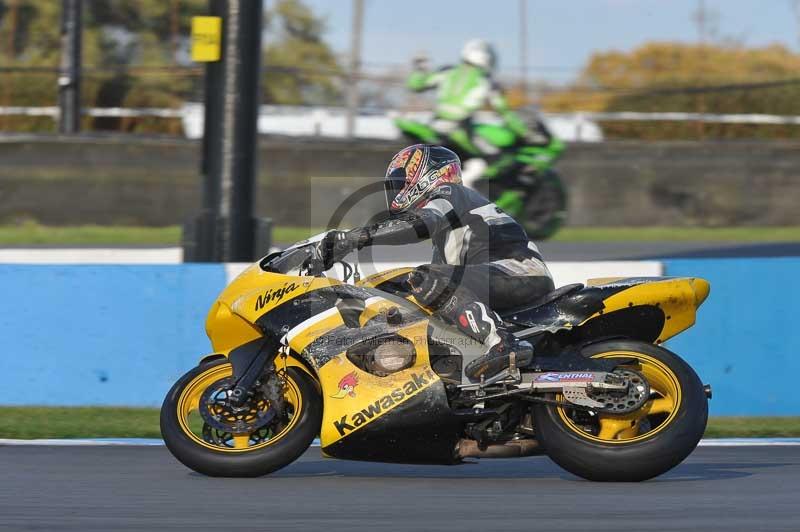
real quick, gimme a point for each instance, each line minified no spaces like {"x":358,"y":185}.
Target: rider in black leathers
{"x":483,"y":260}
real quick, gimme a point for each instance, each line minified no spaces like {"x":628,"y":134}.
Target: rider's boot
{"x":460,"y":307}
{"x":498,"y":357}
{"x":484,"y":325}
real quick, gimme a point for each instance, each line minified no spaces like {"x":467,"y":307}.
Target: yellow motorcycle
{"x":359,"y":364}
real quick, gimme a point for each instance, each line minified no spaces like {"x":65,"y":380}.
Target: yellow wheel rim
{"x":192,"y":424}
{"x":654,"y":416}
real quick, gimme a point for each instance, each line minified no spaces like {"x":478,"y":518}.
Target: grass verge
{"x":678,"y":234}
{"x":78,"y":422}
{"x":31,"y":233}
{"x":88,"y":235}
{"x":753,"y":427}
{"x":111,"y":422}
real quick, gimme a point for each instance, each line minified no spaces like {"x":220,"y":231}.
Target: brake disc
{"x":217,"y":411}
{"x":623,"y":402}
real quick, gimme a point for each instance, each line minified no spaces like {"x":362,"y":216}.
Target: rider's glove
{"x":420,"y":63}
{"x":337,"y":244}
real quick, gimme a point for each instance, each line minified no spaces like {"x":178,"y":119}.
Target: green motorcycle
{"x":519,"y":178}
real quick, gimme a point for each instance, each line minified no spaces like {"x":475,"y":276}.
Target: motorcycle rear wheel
{"x":220,"y":453}
{"x":636,"y":446}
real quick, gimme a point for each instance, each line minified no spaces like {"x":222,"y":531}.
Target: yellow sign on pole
{"x":206,"y":39}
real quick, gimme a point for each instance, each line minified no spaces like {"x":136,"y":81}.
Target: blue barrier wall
{"x":121,"y":335}
{"x":102,"y":335}
{"x":746,"y":342}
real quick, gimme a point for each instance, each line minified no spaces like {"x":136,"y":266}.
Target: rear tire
{"x":639,"y":457}
{"x":248,"y":462}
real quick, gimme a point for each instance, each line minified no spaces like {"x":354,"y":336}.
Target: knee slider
{"x":477,"y":318}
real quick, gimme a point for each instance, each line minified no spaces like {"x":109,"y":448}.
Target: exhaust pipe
{"x":510,"y":449}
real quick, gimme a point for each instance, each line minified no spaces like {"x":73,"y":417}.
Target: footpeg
{"x":522,"y":356}
{"x":509,"y":376}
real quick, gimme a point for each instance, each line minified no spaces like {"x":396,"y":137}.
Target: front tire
{"x":636,"y":446}
{"x":217,"y":453}
{"x":545,"y":209}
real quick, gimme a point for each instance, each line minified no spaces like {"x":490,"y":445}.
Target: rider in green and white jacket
{"x":462,"y":90}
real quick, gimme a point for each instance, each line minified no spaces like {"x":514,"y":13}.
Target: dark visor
{"x":393,"y":186}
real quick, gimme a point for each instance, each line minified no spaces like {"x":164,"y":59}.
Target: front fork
{"x":249,"y":361}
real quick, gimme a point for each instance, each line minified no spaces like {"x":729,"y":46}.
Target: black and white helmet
{"x":479,"y":53}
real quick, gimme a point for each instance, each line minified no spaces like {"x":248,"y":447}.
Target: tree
{"x":29,"y":39}
{"x":136,"y":54}
{"x":148,"y":36}
{"x":300,"y":67}
{"x":688,"y":78}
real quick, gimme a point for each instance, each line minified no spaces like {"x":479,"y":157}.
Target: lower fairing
{"x":422,"y":430}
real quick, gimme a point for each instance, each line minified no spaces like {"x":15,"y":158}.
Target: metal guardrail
{"x":329,"y":122}
{"x":741,"y":118}
{"x":112,"y":112}
{"x":685,"y":117}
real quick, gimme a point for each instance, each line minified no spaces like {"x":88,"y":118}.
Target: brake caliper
{"x":218,"y":412}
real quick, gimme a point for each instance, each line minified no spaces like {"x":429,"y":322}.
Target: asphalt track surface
{"x":144,"y":488}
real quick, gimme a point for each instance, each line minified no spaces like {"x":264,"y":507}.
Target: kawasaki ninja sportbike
{"x":298,"y":355}
{"x":519,"y":178}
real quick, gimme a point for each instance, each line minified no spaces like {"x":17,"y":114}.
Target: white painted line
{"x":233,"y":269}
{"x":138,"y":442}
{"x":91,"y":256}
{"x":578,"y":272}
{"x":563,"y":272}
{"x":750,"y":442}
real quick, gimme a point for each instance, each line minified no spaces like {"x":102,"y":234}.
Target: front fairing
{"x":319,"y":319}
{"x":233,"y":318}
{"x":260,"y":302}
{"x":277,"y":278}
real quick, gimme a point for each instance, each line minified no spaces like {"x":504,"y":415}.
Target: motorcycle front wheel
{"x":545,"y":209}
{"x":204,"y":432}
{"x":636,"y":446}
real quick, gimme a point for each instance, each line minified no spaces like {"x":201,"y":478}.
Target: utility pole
{"x":703,"y":18}
{"x":355,"y":66}
{"x":226,"y":230}
{"x":795,"y":4}
{"x":702,"y":21}
{"x":174,"y":14}
{"x":13,"y":19}
{"x":69,"y":76}
{"x":523,"y":48}
{"x":706,"y":21}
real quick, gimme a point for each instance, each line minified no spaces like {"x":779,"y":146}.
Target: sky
{"x":562,"y":34}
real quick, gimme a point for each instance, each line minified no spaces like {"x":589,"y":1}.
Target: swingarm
{"x":619,"y":392}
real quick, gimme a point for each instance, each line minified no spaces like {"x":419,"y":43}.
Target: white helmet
{"x":479,"y":53}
